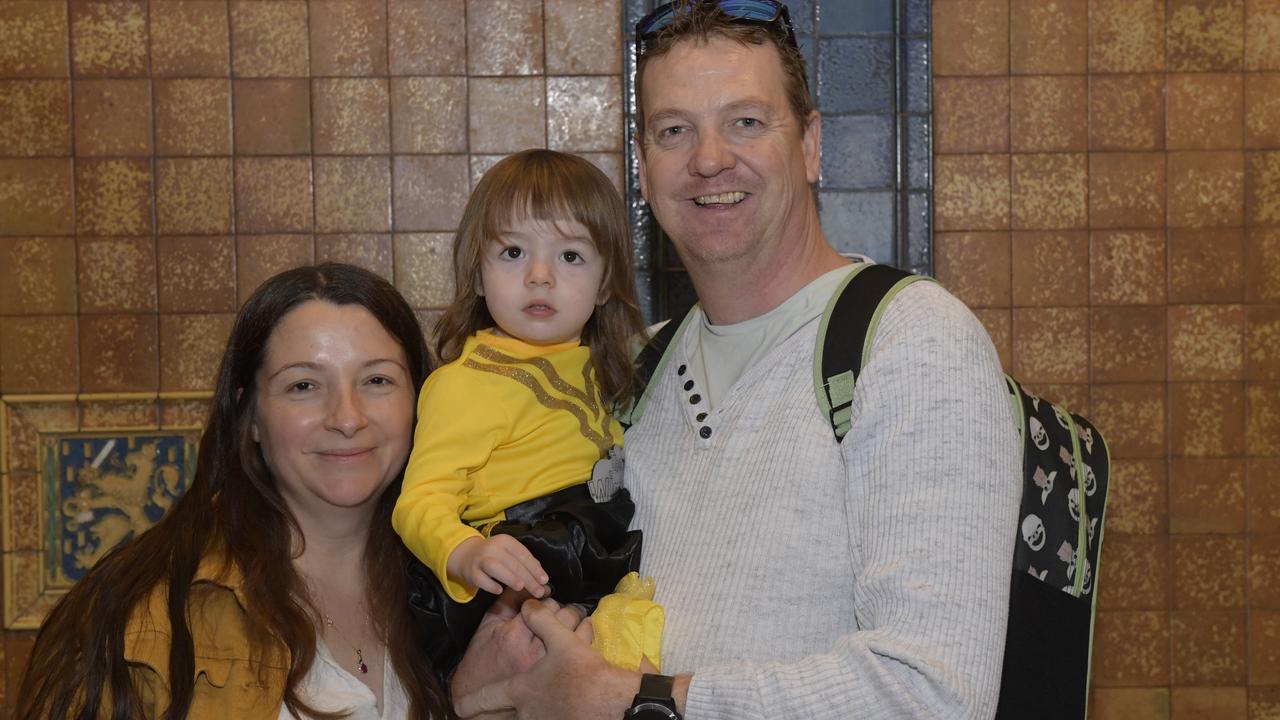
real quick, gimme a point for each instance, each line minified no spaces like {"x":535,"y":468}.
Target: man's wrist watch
{"x":654,"y":701}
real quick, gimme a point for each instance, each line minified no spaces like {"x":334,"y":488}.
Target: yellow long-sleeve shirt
{"x":505,"y":423}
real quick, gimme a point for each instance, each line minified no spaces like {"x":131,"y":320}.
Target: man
{"x":801,"y":577}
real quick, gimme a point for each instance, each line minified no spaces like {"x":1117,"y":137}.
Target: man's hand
{"x":570,"y":682}
{"x":493,"y":562}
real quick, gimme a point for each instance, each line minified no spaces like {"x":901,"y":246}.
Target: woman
{"x":276,"y":586}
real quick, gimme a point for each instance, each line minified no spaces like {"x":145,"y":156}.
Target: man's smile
{"x":724,"y":198}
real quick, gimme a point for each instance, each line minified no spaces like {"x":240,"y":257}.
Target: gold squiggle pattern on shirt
{"x":524,"y":377}
{"x":549,"y":370}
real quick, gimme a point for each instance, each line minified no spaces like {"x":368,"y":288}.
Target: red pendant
{"x":364,"y":669}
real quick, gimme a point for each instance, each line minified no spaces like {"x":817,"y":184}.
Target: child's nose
{"x":539,"y":274}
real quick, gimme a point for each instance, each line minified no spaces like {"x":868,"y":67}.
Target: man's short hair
{"x":702,"y":20}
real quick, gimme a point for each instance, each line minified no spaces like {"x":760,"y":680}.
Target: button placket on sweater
{"x":694,"y":403}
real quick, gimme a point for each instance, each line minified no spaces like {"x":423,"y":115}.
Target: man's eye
{"x":749,"y":123}
{"x":670,"y":132}
{"x":511,"y":253}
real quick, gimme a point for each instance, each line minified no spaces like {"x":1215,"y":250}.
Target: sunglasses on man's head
{"x":750,"y":12}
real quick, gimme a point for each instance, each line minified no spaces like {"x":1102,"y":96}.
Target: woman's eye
{"x":302,"y":386}
{"x":380,"y":380}
{"x":511,"y":253}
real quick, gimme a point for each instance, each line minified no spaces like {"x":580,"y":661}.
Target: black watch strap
{"x":654,"y":701}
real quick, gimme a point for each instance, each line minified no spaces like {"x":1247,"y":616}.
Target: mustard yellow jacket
{"x":227,"y":683}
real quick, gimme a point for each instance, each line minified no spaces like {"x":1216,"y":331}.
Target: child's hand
{"x":489,"y":563}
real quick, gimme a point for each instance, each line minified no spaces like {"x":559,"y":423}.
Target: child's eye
{"x":511,"y":252}
{"x":573,"y":257}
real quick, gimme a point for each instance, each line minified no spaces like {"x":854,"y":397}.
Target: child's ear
{"x":479,"y":285}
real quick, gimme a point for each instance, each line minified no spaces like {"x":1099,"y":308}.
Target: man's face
{"x":725,"y":164}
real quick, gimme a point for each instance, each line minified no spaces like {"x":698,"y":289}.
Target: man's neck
{"x":736,"y":291}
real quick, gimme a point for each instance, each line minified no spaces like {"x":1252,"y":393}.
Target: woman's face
{"x":334,"y":411}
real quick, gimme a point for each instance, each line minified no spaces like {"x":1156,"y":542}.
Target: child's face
{"x":541,"y":280}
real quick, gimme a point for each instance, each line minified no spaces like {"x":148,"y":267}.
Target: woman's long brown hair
{"x":78,"y":670}
{"x":550,"y":186}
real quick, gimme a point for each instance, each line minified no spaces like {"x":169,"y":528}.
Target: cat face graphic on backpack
{"x":1033,"y":532}
{"x":1038,"y":434}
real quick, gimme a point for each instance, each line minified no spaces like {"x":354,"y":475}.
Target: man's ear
{"x":812,"y":143}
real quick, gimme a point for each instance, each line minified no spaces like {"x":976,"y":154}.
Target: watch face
{"x":652,"y":711}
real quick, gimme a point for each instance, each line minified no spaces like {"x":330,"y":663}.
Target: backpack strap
{"x":844,"y":337}
{"x":650,"y":363}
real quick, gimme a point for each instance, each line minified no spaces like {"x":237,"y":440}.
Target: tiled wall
{"x":1108,"y":200}
{"x":158,"y":160}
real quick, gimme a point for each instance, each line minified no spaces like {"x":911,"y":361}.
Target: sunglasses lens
{"x":753,"y":10}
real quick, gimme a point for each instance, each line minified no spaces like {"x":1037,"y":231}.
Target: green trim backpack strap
{"x":854,"y":310}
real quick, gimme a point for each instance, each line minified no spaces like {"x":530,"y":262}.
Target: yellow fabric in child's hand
{"x":628,"y":624}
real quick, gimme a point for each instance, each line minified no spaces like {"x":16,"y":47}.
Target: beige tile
{"x":108,"y":38}
{"x":351,"y":116}
{"x":430,"y":191}
{"x":583,"y":37}
{"x":193,"y":196}
{"x":117,"y":275}
{"x":429,"y":114}
{"x":33,"y":39}
{"x":427,"y":38}
{"x":258,"y":257}
{"x":507,"y":114}
{"x":273,"y":195}
{"x":348,"y":37}
{"x":269,"y":38}
{"x":584,"y":114}
{"x":190,"y":38}
{"x":504,"y":37}
{"x":114,"y":197}
{"x":424,"y":268}
{"x":353,"y":194}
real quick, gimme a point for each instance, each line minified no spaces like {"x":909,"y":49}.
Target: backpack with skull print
{"x":1048,"y":642}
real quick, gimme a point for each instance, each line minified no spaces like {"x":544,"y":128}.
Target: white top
{"x":331,"y":687}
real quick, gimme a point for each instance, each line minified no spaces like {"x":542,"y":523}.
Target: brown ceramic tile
{"x":272,"y":117}
{"x":1206,"y":419}
{"x":1048,"y":114}
{"x":117,"y":275}
{"x":507,"y":114}
{"x":348,"y":37}
{"x":193,"y":117}
{"x":504,"y":38}
{"x":1205,"y":111}
{"x":424,"y":268}
{"x":269,"y":38}
{"x":179,"y":413}
{"x":193,"y":196}
{"x":1126,"y":190}
{"x":1050,"y":268}
{"x":427,"y":38}
{"x":1262,"y":479}
{"x":1136,"y":571}
{"x":1137,"y":501}
{"x":1206,"y":342}
{"x":33,"y":39}
{"x":108,"y":38}
{"x":1262,"y":110}
{"x":1209,"y":703}
{"x":1206,"y":35}
{"x":116,"y":414}
{"x":998,"y":323}
{"x":37,"y":276}
{"x":1262,"y":423}
{"x":971,"y":114}
{"x":584,"y":114}
{"x":1126,"y":112}
{"x":583,"y":36}
{"x":1208,"y":572}
{"x":611,"y":164}
{"x":1262,"y":188}
{"x":1129,"y":704}
{"x":1262,"y":34}
{"x":972,"y":192}
{"x":430,"y":191}
{"x":38,"y":354}
{"x":258,"y":257}
{"x":190,"y":38}
{"x":1264,"y":572}
{"x":1051,"y":345}
{"x":35,"y":197}
{"x":191,"y":347}
{"x":118,"y":353}
{"x":974,"y":267}
{"x":1206,"y":265}
{"x":1207,"y":496}
{"x":1264,"y":647}
{"x":351,"y":116}
{"x":371,"y":252}
{"x":353,"y":194}
{"x":35,"y":117}
{"x":1208,"y":648}
{"x":1127,"y":344}
{"x":273,"y":195}
{"x":113,"y":197}
{"x":1050,"y":191}
{"x":1126,"y":35}
{"x":1132,"y":418}
{"x":1127,"y":267}
{"x":1131,"y":648}
{"x":1264,"y":703}
{"x":1262,"y":343}
{"x":1206,"y":189}
{"x":1049,"y":38}
{"x":1261,"y":262}
{"x":1073,"y":397}
{"x":197,"y":274}
{"x":18,"y":647}
{"x":480,"y":164}
{"x":112,"y":117}
{"x":971,"y":37}
{"x":429,"y":114}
